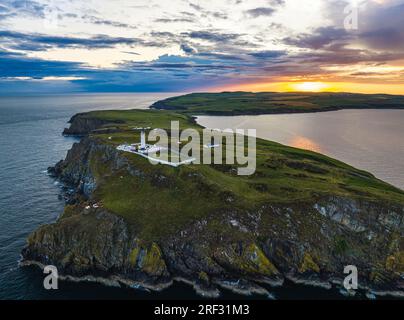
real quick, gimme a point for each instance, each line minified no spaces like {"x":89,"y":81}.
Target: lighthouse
{"x":142,"y":146}
{"x":142,"y":139}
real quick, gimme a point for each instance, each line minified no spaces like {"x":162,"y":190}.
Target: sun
{"x":309,"y":86}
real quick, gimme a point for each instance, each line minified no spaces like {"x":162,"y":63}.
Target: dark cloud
{"x":169,"y":73}
{"x":205,"y":12}
{"x":276,"y":2}
{"x":168,"y":66}
{"x":345,"y":56}
{"x":379,"y":39}
{"x":383,"y":28}
{"x":187,"y":49}
{"x":166,"y":62}
{"x":196,"y":7}
{"x":99,"y":21}
{"x":162,"y":34}
{"x":166,"y":20}
{"x":387,"y":38}
{"x":18,"y":65}
{"x":219,"y":15}
{"x":221,"y":56}
{"x":259,"y":12}
{"x":265,"y":11}
{"x":39,"y":42}
{"x":320,"y":38}
{"x":212,"y":36}
{"x":268,"y":54}
{"x":381,"y":25}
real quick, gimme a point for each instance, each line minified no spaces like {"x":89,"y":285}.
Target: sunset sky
{"x":182,"y":46}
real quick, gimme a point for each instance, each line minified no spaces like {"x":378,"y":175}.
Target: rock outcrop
{"x":81,"y":126}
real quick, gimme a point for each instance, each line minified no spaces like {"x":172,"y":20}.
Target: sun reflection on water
{"x":305,"y":143}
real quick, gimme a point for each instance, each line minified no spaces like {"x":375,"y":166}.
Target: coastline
{"x":206,"y":293}
{"x":118,"y":282}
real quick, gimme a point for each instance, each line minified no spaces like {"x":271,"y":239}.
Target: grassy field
{"x":244,"y":103}
{"x":161,"y":199}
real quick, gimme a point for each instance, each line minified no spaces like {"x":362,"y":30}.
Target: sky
{"x":210,"y":45}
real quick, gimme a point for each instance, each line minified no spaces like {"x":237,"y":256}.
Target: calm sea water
{"x":31,"y":141}
{"x":372,"y":140}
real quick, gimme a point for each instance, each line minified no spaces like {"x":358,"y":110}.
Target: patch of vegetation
{"x":340,"y":245}
{"x":247,"y":103}
{"x":248,"y":260}
{"x":308,"y":264}
{"x":153,"y":262}
{"x":396,"y":262}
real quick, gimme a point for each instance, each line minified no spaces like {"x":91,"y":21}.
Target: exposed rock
{"x":82,"y":126}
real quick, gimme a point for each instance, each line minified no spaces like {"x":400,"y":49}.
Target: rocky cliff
{"x":240,"y":247}
{"x":80,"y":125}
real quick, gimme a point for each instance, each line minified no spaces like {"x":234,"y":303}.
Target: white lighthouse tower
{"x":142,"y":139}
{"x":142,"y":147}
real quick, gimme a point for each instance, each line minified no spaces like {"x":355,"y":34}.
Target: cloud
{"x":373,"y":42}
{"x":383,"y":28}
{"x":260,"y":12}
{"x":319,"y":38}
{"x":182,"y":44}
{"x":381,"y":23}
{"x":206,"y":13}
{"x":187,"y":49}
{"x":168,"y":73}
{"x":212,"y":36}
{"x":269,"y":54}
{"x":22,"y":41}
{"x":26,"y":7}
{"x":100,"y":21}
{"x":18,"y":65}
{"x":175,"y":20}
{"x":265,"y":11}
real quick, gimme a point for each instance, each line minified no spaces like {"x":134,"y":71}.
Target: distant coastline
{"x":249,"y":103}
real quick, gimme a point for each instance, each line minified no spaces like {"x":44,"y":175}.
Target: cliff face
{"x":81,"y":126}
{"x":97,"y":243}
{"x":238,"y":248}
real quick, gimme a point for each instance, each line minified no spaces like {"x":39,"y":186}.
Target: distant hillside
{"x":247,"y":103}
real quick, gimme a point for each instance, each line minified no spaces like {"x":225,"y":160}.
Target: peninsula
{"x":302,"y":216}
{"x":249,"y":103}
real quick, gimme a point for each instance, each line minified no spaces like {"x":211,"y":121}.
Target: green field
{"x":245,"y":103}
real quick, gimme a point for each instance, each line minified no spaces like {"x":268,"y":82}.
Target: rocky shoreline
{"x":118,"y":282}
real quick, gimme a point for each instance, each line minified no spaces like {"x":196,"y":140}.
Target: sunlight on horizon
{"x":316,"y":86}
{"x":309,"y":86}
